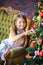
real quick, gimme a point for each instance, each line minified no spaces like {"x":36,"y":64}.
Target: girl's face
{"x":20,"y":23}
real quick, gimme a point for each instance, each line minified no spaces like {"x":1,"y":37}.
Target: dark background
{"x":27,"y":6}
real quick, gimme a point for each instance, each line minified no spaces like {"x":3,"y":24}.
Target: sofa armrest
{"x":15,"y":55}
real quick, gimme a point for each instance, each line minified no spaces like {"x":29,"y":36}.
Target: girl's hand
{"x":27,"y":33}
{"x":32,"y":30}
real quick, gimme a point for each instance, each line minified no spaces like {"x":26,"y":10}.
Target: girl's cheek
{"x":19,"y":25}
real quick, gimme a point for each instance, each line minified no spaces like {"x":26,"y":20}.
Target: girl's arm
{"x":16,"y":37}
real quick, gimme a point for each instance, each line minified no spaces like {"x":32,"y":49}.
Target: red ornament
{"x":41,"y":14}
{"x":41,"y":6}
{"x":34,"y":26}
{"x":32,"y":44}
{"x":41,"y":53}
{"x":28,"y":55}
{"x":40,"y":41}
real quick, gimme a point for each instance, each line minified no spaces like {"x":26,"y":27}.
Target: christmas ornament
{"x":41,"y":53}
{"x":41,"y":14}
{"x":28,"y":55}
{"x":40,"y":41}
{"x":34,"y":26}
{"x":32,"y":44}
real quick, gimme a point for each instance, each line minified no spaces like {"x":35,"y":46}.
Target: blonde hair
{"x":17,"y":15}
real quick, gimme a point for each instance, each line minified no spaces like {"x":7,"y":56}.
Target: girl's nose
{"x":22,"y":23}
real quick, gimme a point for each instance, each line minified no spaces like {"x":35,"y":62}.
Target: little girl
{"x":16,"y":36}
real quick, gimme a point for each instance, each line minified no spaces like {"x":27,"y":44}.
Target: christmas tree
{"x":35,"y":45}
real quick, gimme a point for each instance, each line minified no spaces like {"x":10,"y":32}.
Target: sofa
{"x":6,"y":20}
